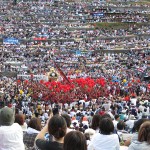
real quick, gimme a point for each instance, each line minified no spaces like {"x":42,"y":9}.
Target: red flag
{"x":61,"y":73}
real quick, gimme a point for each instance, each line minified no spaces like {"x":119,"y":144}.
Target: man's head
{"x":117,"y":117}
{"x":7,"y":116}
{"x":67,"y":119}
{"x":121,"y":125}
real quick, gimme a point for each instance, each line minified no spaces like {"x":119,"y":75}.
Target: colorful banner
{"x":43,"y":35}
{"x":98,"y":14}
{"x":10,"y":41}
{"x":40,"y":39}
{"x":35,"y":77}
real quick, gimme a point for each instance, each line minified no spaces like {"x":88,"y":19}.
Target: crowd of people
{"x":98,"y":125}
{"x":37,"y":36}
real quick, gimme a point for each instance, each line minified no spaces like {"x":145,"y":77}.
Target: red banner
{"x":40,"y":39}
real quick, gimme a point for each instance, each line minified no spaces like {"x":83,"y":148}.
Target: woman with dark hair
{"x":34,"y":127}
{"x":68,"y":121}
{"x":75,"y":140}
{"x":121,"y":130}
{"x":143,"y":142}
{"x":56,"y":127}
{"x":95,"y":123}
{"x":135,"y":130}
{"x":105,"y":140}
{"x":20,"y":119}
{"x":94,"y":126}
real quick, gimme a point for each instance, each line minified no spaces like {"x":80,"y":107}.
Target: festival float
{"x":70,"y":90}
{"x":67,"y":90}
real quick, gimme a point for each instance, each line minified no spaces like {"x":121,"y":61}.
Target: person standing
{"x":11,"y":134}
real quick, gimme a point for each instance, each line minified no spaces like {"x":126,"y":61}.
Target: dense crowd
{"x":29,"y":22}
{"x":48,"y":32}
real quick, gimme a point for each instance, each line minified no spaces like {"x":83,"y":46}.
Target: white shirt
{"x":72,"y":113}
{"x":141,"y":108}
{"x":133,"y":100}
{"x":104,"y":142}
{"x":11,"y":137}
{"x":115,"y":123}
{"x":130,"y":123}
{"x":106,"y":106}
{"x":69,"y":130}
{"x":66,"y":105}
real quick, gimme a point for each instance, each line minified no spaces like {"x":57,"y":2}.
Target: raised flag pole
{"x":65,"y":78}
{"x":61,"y":73}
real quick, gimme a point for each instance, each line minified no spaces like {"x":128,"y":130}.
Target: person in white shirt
{"x":105,"y":140}
{"x":133,"y":100}
{"x":72,"y":113}
{"x":143,"y":142}
{"x":106,"y":105}
{"x":130,"y":122}
{"x":117,"y":118}
{"x":11,"y":134}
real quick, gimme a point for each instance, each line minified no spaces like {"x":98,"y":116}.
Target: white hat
{"x":90,"y":131}
{"x":124,"y":111}
{"x":132,"y":117}
{"x":78,"y":111}
{"x":146,"y":101}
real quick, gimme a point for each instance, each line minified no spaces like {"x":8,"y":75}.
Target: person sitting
{"x":95,"y":123}
{"x":135,"y":131}
{"x":117,"y":118}
{"x":143,"y":142}
{"x":87,"y":137}
{"x":11,"y":134}
{"x":91,"y":132}
{"x":20,"y":119}
{"x":105,"y":140}
{"x":34,"y":127}
{"x":130,"y":122}
{"x":75,"y":140}
{"x":121,"y":128}
{"x":123,"y":115}
{"x":57,"y":127}
{"x":68,"y":121}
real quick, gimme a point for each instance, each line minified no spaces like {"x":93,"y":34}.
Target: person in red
{"x":127,"y":98}
{"x":102,"y":111}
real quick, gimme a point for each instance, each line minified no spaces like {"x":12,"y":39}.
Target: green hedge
{"x":141,"y":2}
{"x":115,"y":25}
